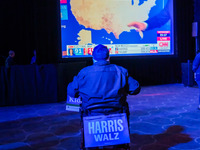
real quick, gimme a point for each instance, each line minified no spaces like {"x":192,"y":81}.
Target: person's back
{"x":103,"y":83}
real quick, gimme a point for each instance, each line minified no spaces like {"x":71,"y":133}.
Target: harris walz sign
{"x":106,"y":130}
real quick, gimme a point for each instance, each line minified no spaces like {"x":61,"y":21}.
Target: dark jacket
{"x":163,"y":17}
{"x":9,"y":62}
{"x":103,"y":83}
{"x":196,"y":67}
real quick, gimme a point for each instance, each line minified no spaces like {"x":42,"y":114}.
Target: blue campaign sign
{"x":106,"y":130}
{"x":73,"y":104}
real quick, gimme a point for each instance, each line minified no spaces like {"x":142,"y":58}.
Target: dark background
{"x":35,"y":24}
{"x":30,"y":24}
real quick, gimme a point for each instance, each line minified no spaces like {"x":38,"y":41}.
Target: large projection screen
{"x":126,"y":27}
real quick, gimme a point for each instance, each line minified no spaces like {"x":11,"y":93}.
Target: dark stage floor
{"x":162,"y":117}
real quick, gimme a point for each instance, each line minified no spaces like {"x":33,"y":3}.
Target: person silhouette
{"x":10,"y":59}
{"x":33,"y":59}
{"x":196,"y":70}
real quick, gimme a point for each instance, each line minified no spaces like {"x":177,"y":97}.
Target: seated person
{"x":103,"y":83}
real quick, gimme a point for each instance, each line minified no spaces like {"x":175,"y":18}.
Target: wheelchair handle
{"x":97,"y":106}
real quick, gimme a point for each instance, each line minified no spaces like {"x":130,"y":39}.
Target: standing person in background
{"x":33,"y":59}
{"x":10,"y":59}
{"x":196,"y":70}
{"x":8,"y":63}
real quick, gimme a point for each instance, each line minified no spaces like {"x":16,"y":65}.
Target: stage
{"x":162,"y":117}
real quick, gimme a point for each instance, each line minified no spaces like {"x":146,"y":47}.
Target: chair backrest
{"x":95,"y":107}
{"x":102,"y":106}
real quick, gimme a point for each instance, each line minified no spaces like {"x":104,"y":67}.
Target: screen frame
{"x":174,"y":54}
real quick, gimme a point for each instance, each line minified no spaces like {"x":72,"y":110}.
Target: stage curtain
{"x":28,"y":84}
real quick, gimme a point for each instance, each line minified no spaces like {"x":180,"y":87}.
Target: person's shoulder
{"x":120,"y":68}
{"x":33,"y":57}
{"x":8,"y":58}
{"x":86,"y":70}
{"x":197,"y":56}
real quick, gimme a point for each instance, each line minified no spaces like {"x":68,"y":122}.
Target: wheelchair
{"x":99,"y":111}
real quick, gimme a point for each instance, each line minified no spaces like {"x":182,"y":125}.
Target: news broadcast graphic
{"x":114,"y":23}
{"x":63,"y":1}
{"x":64,"y":12}
{"x":105,"y":130}
{"x":73,"y":104}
